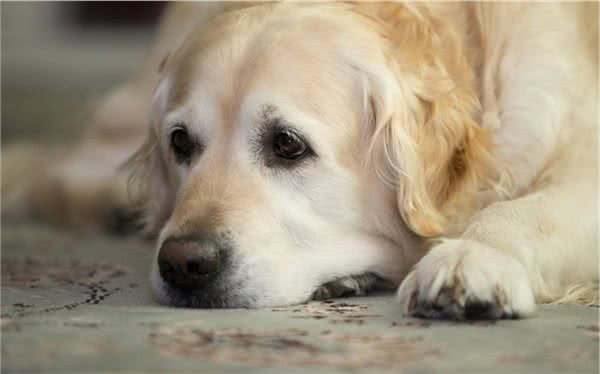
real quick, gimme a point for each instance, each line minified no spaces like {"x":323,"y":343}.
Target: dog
{"x":297,"y":151}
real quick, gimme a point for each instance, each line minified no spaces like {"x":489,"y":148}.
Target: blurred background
{"x":58,"y":58}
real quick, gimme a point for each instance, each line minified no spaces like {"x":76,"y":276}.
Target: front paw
{"x":354,"y":285}
{"x":463,"y":279}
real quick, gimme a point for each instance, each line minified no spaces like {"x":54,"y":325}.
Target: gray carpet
{"x":74,"y":302}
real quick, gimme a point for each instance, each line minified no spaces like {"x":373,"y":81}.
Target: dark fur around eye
{"x":184,"y":147}
{"x":283,"y":147}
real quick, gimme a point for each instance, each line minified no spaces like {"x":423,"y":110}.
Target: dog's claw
{"x":465,"y":280}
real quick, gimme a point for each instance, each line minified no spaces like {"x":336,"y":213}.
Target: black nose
{"x":189,"y":263}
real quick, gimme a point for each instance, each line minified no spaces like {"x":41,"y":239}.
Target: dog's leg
{"x":541,"y":247}
{"x":79,"y":186}
{"x":513,"y":254}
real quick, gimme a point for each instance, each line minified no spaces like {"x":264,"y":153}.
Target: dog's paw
{"x":354,"y":285}
{"x":121,"y":220}
{"x":463,"y":279}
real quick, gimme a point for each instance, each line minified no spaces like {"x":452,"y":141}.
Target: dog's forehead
{"x":202,"y":60}
{"x":237,"y":48}
{"x":221,"y":49}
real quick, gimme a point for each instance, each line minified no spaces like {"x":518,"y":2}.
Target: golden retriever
{"x":309,"y":150}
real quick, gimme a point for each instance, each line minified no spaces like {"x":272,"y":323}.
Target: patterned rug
{"x":81,"y":303}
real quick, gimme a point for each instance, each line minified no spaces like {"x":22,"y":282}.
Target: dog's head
{"x":296,"y":144}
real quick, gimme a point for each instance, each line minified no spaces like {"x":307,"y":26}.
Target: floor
{"x":75,"y":302}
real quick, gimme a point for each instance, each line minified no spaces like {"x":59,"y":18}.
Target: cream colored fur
{"x":456,"y":144}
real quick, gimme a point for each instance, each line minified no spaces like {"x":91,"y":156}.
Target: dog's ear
{"x":151,"y":186}
{"x":427,"y":140}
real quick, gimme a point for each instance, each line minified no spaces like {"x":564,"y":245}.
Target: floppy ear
{"x":150,"y":185}
{"x":425,"y":109}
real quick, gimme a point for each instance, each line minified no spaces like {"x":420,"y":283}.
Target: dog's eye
{"x":288,"y":145}
{"x":183,"y":146}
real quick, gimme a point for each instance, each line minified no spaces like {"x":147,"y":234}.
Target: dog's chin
{"x":204,"y":299}
{"x":222,"y":294}
{"x":218,"y":294}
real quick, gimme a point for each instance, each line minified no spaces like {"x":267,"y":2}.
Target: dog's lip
{"x":188,"y":298}
{"x":217,"y":295}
